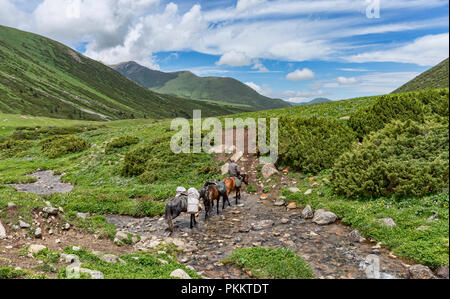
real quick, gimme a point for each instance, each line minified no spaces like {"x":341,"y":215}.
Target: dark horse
{"x":230,"y":184}
{"x":174,"y":208}
{"x":211,"y":192}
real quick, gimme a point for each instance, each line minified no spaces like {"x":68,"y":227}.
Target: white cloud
{"x":260,"y":67}
{"x":300,"y":75}
{"x":117,"y":30}
{"x":234,"y":58}
{"x":347,"y":80}
{"x":264,"y":90}
{"x":425,"y":51}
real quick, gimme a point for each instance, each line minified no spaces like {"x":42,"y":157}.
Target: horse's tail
{"x":168,"y":217}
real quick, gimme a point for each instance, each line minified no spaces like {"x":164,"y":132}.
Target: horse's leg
{"x":192,"y":225}
{"x":218,"y":205}
{"x":238,"y":195}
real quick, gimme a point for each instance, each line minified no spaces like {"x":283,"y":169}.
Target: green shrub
{"x":251,"y":188}
{"x":149,"y":208}
{"x":156,"y":162}
{"x":120,"y":143}
{"x":57,"y":146}
{"x":14,"y":148}
{"x":273,"y":263}
{"x":405,"y":158}
{"x":312,"y":144}
{"x":406,"y":106}
{"x":10,"y":273}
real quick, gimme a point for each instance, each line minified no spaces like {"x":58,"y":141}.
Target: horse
{"x":209,"y":193}
{"x":174,"y":208}
{"x":230,"y":184}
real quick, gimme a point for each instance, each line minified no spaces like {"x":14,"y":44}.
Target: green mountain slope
{"x":188,"y":85}
{"x":436,"y":77}
{"x":41,"y":77}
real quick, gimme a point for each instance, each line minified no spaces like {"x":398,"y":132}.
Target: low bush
{"x":14,"y":148}
{"x":120,"y":143}
{"x":272,"y":263}
{"x":404,"y":106}
{"x":313,"y":144}
{"x":405,"y":158}
{"x":57,"y":146}
{"x":156,"y":162}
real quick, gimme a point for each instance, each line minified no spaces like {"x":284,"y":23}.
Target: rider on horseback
{"x":234,"y":171}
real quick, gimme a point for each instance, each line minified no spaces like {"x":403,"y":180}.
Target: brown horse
{"x":209,"y":193}
{"x":230,"y":184}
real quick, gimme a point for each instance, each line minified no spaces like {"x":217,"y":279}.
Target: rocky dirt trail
{"x":46,"y":183}
{"x":255,"y":222}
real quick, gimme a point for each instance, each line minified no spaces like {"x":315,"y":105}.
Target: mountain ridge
{"x":42,"y":77}
{"x":435,"y":77}
{"x":191,"y":86}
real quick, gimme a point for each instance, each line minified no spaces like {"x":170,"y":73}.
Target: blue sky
{"x":291,"y":49}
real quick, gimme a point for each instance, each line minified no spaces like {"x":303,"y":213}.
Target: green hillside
{"x":188,"y":85}
{"x":41,"y":77}
{"x":436,"y":77}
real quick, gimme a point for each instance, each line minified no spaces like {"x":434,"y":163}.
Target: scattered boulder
{"x":66,"y":226}
{"x":345,"y":118}
{"x":111,"y":258}
{"x":285,"y":221}
{"x":2,"y":232}
{"x":279,"y":203}
{"x":35,"y":248}
{"x":388,"y":221}
{"x":291,"y":206}
{"x":126,"y":238}
{"x":323,"y":217}
{"x":420,"y":272}
{"x":308,"y":192}
{"x":179,"y":273}
{"x":294,"y":189}
{"x":38,"y":233}
{"x":50,"y":211}
{"x":442,"y":272}
{"x":23,"y":224}
{"x":11,"y":205}
{"x":82,"y":215}
{"x":307,"y":212}
{"x":423,"y":228}
{"x":262,"y":224}
{"x":356,"y":237}
{"x":315,"y":185}
{"x":268,"y":170}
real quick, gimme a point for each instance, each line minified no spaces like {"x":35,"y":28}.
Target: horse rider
{"x":234,"y":171}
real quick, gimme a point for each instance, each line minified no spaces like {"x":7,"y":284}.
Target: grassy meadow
{"x":126,"y":167}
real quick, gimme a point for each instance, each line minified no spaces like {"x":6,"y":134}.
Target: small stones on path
{"x":123,"y":238}
{"x":387,"y":221}
{"x":179,"y":273}
{"x":420,"y":272}
{"x":356,"y":237}
{"x":279,"y":203}
{"x":23,"y":224}
{"x":82,"y":215}
{"x":262,"y":224}
{"x":323,"y":217}
{"x":285,"y":221}
{"x":307,"y":212}
{"x":38,"y":233}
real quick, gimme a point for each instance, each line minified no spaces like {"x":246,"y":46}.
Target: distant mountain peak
{"x":187,"y":84}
